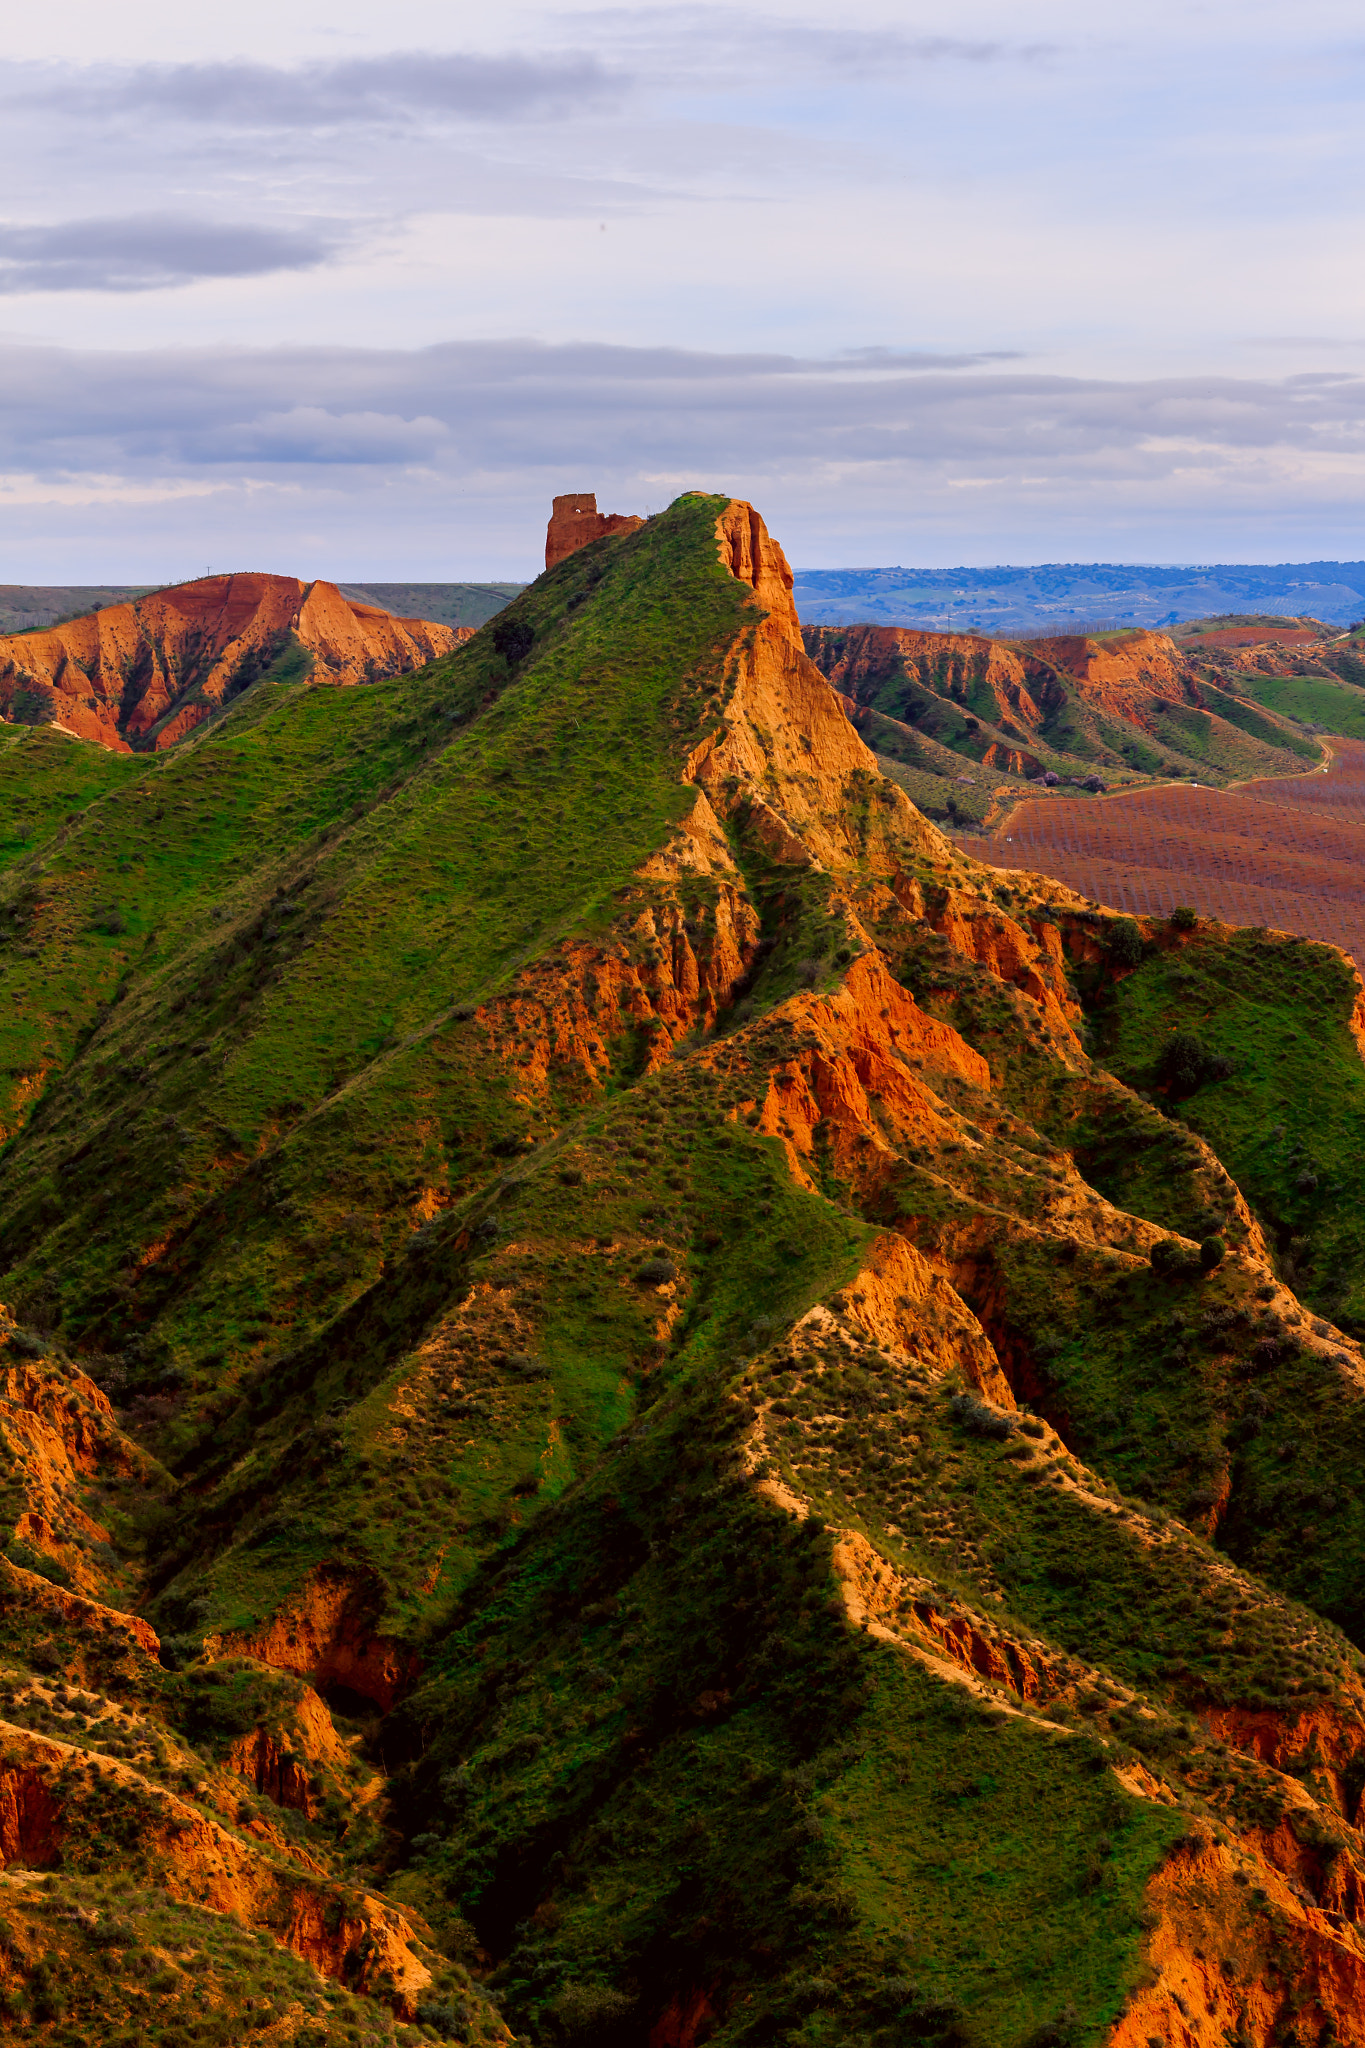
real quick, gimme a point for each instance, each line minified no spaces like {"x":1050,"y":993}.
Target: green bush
{"x":1172,"y":1260}
{"x":1212,"y":1252}
{"x":1125,"y":942}
{"x":656,"y":1271}
{"x":1186,"y":1064}
{"x":1183,"y":919}
{"x":36,"y":1561}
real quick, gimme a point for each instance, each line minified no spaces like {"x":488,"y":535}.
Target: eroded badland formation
{"x":967,"y":724}
{"x":142,"y":675}
{"x":641,"y":1406}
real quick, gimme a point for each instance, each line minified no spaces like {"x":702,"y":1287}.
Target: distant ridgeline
{"x":1062,"y":596}
{"x":26,"y":606}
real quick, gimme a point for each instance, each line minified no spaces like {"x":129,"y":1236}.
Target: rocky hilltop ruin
{"x":575,"y":521}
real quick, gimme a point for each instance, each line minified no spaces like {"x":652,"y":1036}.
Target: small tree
{"x":1125,"y":942}
{"x":1183,"y":919}
{"x":1171,"y":1260}
{"x":1186,"y":1064}
{"x":1212,"y":1252}
{"x":513,"y":639}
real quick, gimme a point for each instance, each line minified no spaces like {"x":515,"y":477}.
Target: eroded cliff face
{"x":1122,"y":674}
{"x":862,"y":658}
{"x":65,"y":1455}
{"x":146,"y":673}
{"x":1020,"y":692}
{"x":786,"y":752}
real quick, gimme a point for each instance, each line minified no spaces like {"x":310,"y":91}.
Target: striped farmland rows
{"x":1289,"y":854}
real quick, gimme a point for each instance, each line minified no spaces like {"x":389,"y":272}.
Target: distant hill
{"x":24,"y":606}
{"x":450,"y":604}
{"x":1063,"y":596}
{"x":143,"y":674}
{"x":963,"y":723}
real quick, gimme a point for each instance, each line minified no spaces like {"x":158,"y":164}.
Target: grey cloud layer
{"x":146,"y":252}
{"x":437,"y":86}
{"x":398,"y":87}
{"x":518,"y":407}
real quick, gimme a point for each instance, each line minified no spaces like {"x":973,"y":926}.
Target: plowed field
{"x":1252,"y":636}
{"x":1288,"y":854}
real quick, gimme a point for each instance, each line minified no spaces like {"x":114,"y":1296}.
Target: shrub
{"x":1051,"y":778}
{"x":980,"y":1418}
{"x":449,"y":2016}
{"x":33,"y":704}
{"x":1171,"y":1259}
{"x":1183,"y":919}
{"x":513,"y":639}
{"x":30,"y":1560}
{"x":1125,"y":942}
{"x":1186,"y":1064}
{"x":1212,"y":1252}
{"x":582,"y":2009}
{"x":656,"y":1271}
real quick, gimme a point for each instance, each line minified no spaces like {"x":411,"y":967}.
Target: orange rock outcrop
{"x":326,"y":1632}
{"x":343,"y":1933}
{"x":146,"y":673}
{"x":786,"y":751}
{"x":58,"y":1432}
{"x":575,"y":520}
{"x":276,"y":1761}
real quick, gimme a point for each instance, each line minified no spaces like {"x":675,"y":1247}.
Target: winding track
{"x":1287,"y":853}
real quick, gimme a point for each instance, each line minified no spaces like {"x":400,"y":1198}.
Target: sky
{"x":353,"y":292}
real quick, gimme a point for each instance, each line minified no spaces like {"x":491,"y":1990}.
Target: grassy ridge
{"x":1289,"y":1117}
{"x":652,"y":1716}
{"x":1338,"y":707}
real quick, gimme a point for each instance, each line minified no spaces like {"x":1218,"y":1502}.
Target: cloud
{"x":528,"y":404}
{"x":147,"y":252}
{"x":450,"y":453}
{"x":393,"y":89}
{"x":308,"y":434}
{"x":706,"y":39}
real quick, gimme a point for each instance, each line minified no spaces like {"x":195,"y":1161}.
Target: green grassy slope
{"x":46,"y":781}
{"x":1289,"y":1116}
{"x":653,"y":1717}
{"x":1337,"y":707}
